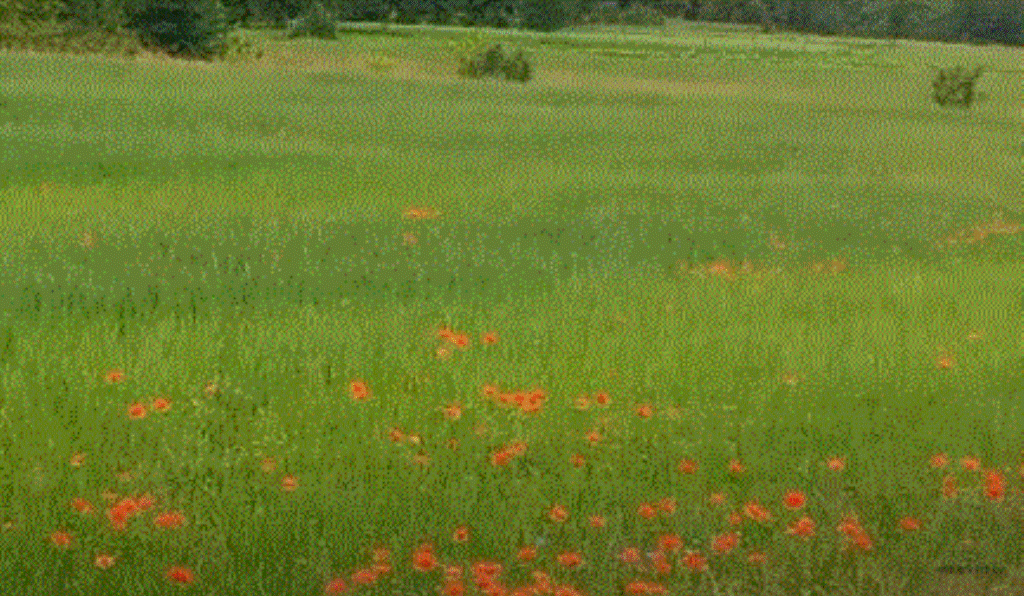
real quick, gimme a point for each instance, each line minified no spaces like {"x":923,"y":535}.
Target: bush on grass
{"x":493,"y":62}
{"x":955,"y":86}
{"x":189,"y":28}
{"x":316,"y":22}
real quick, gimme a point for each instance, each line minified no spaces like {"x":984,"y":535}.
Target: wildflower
{"x":670,"y":542}
{"x":114,"y":376}
{"x":646,"y":511}
{"x":489,"y":339}
{"x":736,"y":467}
{"x":724,"y":543}
{"x":569,"y":559}
{"x":687,"y":466}
{"x":630,"y":555}
{"x":395,"y":435}
{"x":423,"y":558}
{"x":335,"y":586}
{"x":82,"y":506}
{"x":169,"y":520}
{"x":453,"y":412}
{"x":461,"y":534}
{"x":500,"y":458}
{"x":995,"y":485}
{"x":527,"y":553}
{"x":939,"y":460}
{"x":558,"y":514}
{"x":104,"y":561}
{"x":716,"y":498}
{"x":910,"y":524}
{"x":756,"y":557}
{"x":602,"y":399}
{"x":453,"y":588}
{"x":577,"y":460}
{"x":161,"y":404}
{"x":60,"y":539}
{"x":696,"y":561}
{"x":594,"y":437}
{"x":756,"y":512}
{"x":803,"y":527}
{"x":136,"y":411}
{"x":359,"y":390}
{"x":644,"y":411}
{"x":597,"y":521}
{"x":268,"y":465}
{"x":77,"y":459}
{"x":289,"y":483}
{"x":970,"y":463}
{"x":837,"y":464}
{"x":949,"y":489}
{"x":181,"y":575}
{"x":946,"y":361}
{"x":667,"y":505}
{"x":363,"y":577}
{"x":794,"y":499}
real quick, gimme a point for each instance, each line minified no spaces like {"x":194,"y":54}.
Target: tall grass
{"x":803,"y":276}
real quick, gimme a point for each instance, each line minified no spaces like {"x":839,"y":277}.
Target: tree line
{"x":975,"y":21}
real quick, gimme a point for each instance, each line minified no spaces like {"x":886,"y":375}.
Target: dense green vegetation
{"x":268,"y":296}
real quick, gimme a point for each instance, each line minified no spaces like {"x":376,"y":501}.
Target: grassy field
{"x":339,"y":321}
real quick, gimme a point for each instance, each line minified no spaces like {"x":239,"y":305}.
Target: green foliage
{"x":955,"y":86}
{"x":192,"y":28}
{"x":315,"y":22}
{"x":239,"y":47}
{"x":493,"y":62}
{"x":548,"y":15}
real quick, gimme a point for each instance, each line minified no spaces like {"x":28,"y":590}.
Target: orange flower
{"x":490,"y":391}
{"x":597,"y":521}
{"x":161,"y":404}
{"x":644,"y":411}
{"x":363,"y":577}
{"x":423,"y":559}
{"x":582,"y":403}
{"x":630,"y":555}
{"x":104,"y":561}
{"x":453,"y":412}
{"x":82,"y":506}
{"x":939,"y":460}
{"x":636,"y":588}
{"x":489,"y":339}
{"x":268,"y":465}
{"x":687,"y":466}
{"x":181,"y":575}
{"x":170,"y":520}
{"x":970,"y":463}
{"x":716,"y":498}
{"x":756,"y":512}
{"x":527,"y":553}
{"x":289,"y":483}
{"x":695,"y":561}
{"x":724,"y":543}
{"x":114,"y":376}
{"x":667,"y":505}
{"x":735,"y":518}
{"x":359,"y":390}
{"x":500,"y":458}
{"x":910,"y":524}
{"x":453,"y":588}
{"x":77,"y":459}
{"x":577,"y":460}
{"x":756,"y":557}
{"x":670,"y":542}
{"x":602,"y":399}
{"x":558,"y":514}
{"x":136,"y":411}
{"x":995,"y":485}
{"x":594,"y":437}
{"x":803,"y":527}
{"x":335,"y":586}
{"x":949,"y":489}
{"x":420,"y":213}
{"x":646,"y":511}
{"x":569,"y":559}
{"x":60,"y":539}
{"x":736,"y":467}
{"x":461,"y":534}
{"x":945,"y":361}
{"x":794,"y":499}
{"x":837,"y":464}
{"x":395,"y":435}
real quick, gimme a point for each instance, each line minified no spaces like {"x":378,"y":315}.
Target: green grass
{"x":243,"y":223}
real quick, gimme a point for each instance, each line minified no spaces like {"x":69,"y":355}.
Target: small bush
{"x":317,"y":22}
{"x":238,"y":47}
{"x":493,"y":62}
{"x":955,"y":86}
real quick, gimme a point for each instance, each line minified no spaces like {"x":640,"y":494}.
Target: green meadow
{"x":339,"y":321}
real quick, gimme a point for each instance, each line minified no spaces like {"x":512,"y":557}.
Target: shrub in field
{"x":316,"y":22}
{"x":239,"y":47}
{"x":492,"y":62}
{"x":191,"y":28}
{"x":955,"y":86}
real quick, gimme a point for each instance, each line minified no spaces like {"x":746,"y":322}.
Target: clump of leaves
{"x":954,"y":86}
{"x":493,"y":62}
